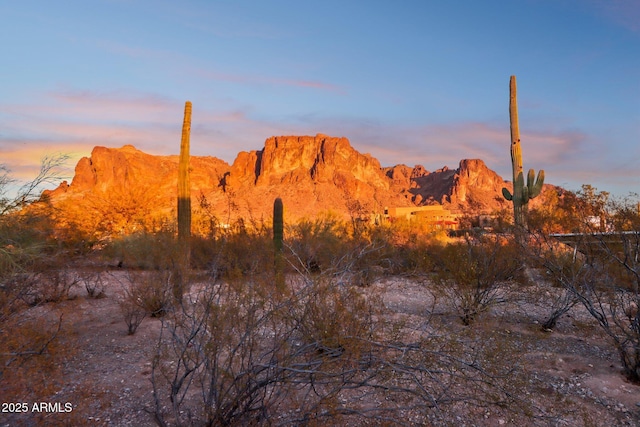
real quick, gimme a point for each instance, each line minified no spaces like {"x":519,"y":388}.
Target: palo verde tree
{"x":521,"y":193}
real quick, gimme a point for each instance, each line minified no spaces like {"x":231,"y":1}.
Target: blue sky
{"x":414,"y":82}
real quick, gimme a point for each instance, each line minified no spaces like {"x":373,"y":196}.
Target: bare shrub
{"x":150,"y":290}
{"x":603,"y":272}
{"x":34,"y":351}
{"x":49,"y":285}
{"x":250,"y":353}
{"x":476,"y":275}
{"x":33,"y":346}
{"x":559,"y":306}
{"x":220,"y":347}
{"x":94,"y":282}
{"x":133,"y":313}
{"x":240,"y":353}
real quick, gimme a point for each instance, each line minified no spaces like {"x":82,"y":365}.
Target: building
{"x":435,"y":215}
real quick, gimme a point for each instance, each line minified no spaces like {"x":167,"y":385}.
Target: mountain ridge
{"x":310,"y":173}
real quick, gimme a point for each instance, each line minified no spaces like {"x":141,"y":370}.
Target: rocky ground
{"x":106,"y":377}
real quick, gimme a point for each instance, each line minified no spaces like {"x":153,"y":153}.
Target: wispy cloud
{"x":131,"y":51}
{"x":247,"y":79}
{"x":625,"y":13}
{"x":73,"y":122}
{"x":570,"y":157}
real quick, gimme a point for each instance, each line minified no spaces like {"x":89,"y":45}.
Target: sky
{"x":409,"y":82}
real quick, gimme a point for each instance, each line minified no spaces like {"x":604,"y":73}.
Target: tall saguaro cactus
{"x":278,"y":244}
{"x":521,"y":193}
{"x":184,"y":208}
{"x":184,"y":185}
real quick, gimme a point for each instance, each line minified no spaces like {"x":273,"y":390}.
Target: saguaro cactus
{"x":278,"y":244}
{"x":521,"y":193}
{"x":184,"y":208}
{"x":184,"y":184}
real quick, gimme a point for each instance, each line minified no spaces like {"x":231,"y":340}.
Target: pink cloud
{"x":73,"y":122}
{"x":265,"y":80}
{"x":568,"y":156}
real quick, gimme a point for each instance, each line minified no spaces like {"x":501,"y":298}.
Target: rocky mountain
{"x":312,"y":174}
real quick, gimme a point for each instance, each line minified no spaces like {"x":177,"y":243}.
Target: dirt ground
{"x":107,"y":377}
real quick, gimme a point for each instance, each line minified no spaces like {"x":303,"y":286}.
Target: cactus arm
{"x":506,"y":194}
{"x":536,"y":189}
{"x":530,"y":177}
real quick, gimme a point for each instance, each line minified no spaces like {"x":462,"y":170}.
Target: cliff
{"x":312,"y":174}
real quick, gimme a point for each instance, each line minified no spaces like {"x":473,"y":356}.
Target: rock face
{"x":475,"y":184}
{"x":109,"y":169}
{"x":286,"y":160}
{"x":311,"y":174}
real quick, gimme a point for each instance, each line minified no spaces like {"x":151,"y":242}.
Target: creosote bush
{"x":476,"y":274}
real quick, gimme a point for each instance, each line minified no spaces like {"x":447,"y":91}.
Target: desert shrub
{"x":152,"y":291}
{"x":94,"y":280}
{"x":240,"y":352}
{"x":38,"y":282}
{"x":33,"y":270}
{"x":144,"y":250}
{"x":51,"y":285}
{"x":36,"y":347}
{"x":318,"y":244}
{"x":328,"y":245}
{"x":476,"y":274}
{"x":252,"y":355}
{"x":214,"y":342}
{"x":333,"y":317}
{"x":413,"y":259}
{"x":204,"y":252}
{"x":133,"y":312}
{"x":243,"y":251}
{"x":602,"y":270}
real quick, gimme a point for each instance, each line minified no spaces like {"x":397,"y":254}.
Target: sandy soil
{"x":107,"y":378}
